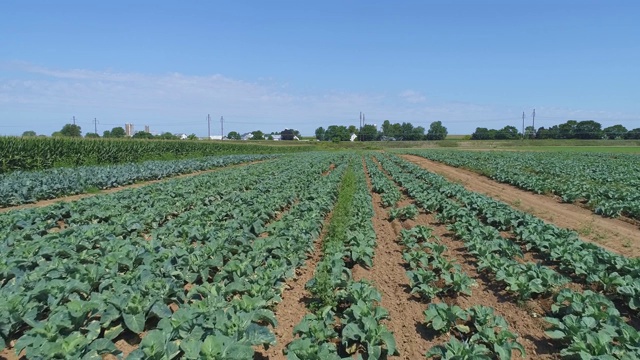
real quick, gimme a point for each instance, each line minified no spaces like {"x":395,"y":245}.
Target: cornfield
{"x":43,"y":153}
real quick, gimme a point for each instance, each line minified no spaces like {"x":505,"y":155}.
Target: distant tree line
{"x":73,"y":130}
{"x":286,"y":134}
{"x":398,"y":131}
{"x":572,"y":129}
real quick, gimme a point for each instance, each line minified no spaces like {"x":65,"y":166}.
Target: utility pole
{"x":360,"y":123}
{"x":534,"y":121}
{"x":74,"y":120}
{"x":363,"y":123}
{"x":95,"y":124}
{"x":523,"y":125}
{"x":209,"y":126}
{"x":222,"y":127}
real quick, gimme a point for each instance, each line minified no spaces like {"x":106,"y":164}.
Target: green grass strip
{"x":341,"y":212}
{"x":323,"y":290}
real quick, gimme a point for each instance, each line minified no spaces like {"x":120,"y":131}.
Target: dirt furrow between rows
{"x":524,"y":319}
{"x":72,"y":198}
{"x":389,"y":276}
{"x":612,"y":234}
{"x":290,"y":311}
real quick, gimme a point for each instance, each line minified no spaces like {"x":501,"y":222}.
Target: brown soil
{"x":331,"y":167}
{"x":525,"y":319}
{"x":612,"y":234}
{"x":290,"y":311}
{"x":388,"y":275}
{"x":71,"y":198}
{"x":9,"y":354}
{"x":127,"y":343}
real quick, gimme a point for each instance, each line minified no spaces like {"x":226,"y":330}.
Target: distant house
{"x":246,"y":136}
{"x":181,"y":136}
{"x":217,"y":137}
{"x":276,"y":137}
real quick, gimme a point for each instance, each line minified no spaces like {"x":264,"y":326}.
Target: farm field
{"x":609,"y":184}
{"x":628,"y":149}
{"x":29,"y":154}
{"x":319,"y":255}
{"x":26,"y":187}
{"x":614,"y":234}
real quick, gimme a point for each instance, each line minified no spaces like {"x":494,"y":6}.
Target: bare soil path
{"x":524,"y":319}
{"x":290,"y":311}
{"x":72,"y":198}
{"x":612,"y":234}
{"x":389,"y":276}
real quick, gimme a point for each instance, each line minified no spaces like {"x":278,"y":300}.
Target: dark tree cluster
{"x":72,"y":130}
{"x":506,"y":133}
{"x":117,"y":133}
{"x":587,"y":129}
{"x":68,"y":130}
{"x":398,"y":131}
{"x":289,"y":134}
{"x":572,"y":129}
{"x":286,"y":134}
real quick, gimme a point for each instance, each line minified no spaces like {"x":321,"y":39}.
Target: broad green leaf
{"x":390,"y":342}
{"x":161,"y":310}
{"x":555,"y":334}
{"x":191,"y":348}
{"x":113,"y":332}
{"x":257,"y":335}
{"x":352,"y":332}
{"x":438,"y":323}
{"x":134,"y":322}
{"x":104,"y":346}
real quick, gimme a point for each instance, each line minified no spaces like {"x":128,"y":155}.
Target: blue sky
{"x":273,"y":64}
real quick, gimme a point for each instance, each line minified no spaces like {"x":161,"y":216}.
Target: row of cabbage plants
{"x":198,"y":277}
{"x":380,"y":184}
{"x":580,"y":330}
{"x":154,"y":204}
{"x":344,"y":311}
{"x":475,"y":332}
{"x":608,"y":183}
{"x":613,"y":274}
{"x":23,"y":187}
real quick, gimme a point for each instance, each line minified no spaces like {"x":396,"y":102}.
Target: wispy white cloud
{"x":413,"y":97}
{"x":39,"y":96}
